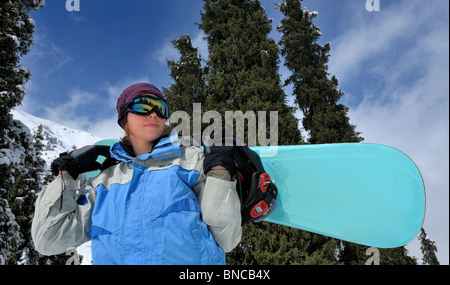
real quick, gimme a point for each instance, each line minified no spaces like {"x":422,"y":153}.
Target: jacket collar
{"x":168,"y":147}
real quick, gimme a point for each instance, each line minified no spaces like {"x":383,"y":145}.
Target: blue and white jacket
{"x":158,"y":208}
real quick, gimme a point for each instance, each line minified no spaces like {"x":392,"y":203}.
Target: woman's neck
{"x":141,"y":148}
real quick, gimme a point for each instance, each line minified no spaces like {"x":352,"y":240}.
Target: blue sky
{"x":392,"y":64}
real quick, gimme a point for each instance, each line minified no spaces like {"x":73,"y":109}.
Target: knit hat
{"x":131,"y":93}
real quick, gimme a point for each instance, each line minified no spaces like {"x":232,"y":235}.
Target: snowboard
{"x":364,"y":193}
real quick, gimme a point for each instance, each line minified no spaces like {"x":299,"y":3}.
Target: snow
{"x":20,"y":24}
{"x":40,"y":3}
{"x":8,"y":156}
{"x":85,"y":251}
{"x":13,"y":155}
{"x":15,"y":39}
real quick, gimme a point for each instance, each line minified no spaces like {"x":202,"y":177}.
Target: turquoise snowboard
{"x":364,"y":193}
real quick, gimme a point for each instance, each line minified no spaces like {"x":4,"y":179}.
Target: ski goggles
{"x":144,"y":106}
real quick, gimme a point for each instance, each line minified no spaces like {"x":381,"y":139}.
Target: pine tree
{"x":16,"y":33}
{"x":315,"y":93}
{"x":243,"y":64}
{"x":272,"y":244}
{"x":189,"y":85}
{"x":243,"y":75}
{"x":189,"y":77}
{"x":428,"y":248}
{"x":354,"y":254}
{"x":396,"y":256}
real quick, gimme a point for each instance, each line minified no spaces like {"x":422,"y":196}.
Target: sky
{"x":392,"y":65}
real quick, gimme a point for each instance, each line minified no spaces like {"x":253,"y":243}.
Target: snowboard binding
{"x":255,"y":188}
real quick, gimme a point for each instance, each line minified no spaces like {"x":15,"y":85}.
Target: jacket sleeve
{"x":221,"y":208}
{"x":59,"y":221}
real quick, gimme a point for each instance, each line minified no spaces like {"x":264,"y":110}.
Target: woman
{"x":162,"y":203}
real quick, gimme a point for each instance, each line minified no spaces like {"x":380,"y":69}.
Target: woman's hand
{"x":79,"y":161}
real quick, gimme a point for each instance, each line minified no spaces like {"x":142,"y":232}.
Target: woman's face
{"x":145,"y":129}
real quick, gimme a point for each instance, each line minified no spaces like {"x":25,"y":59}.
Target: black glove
{"x":80,"y":160}
{"x":220,"y":154}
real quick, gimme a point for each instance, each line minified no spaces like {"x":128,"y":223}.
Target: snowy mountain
{"x":58,"y":139}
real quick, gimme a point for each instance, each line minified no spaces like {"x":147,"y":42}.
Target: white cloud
{"x":106,"y":128}
{"x":68,"y":113}
{"x":369,"y":37}
{"x":404,"y":49}
{"x":167,"y":51}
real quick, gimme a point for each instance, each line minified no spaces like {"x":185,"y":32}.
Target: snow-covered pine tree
{"x":16,"y":38}
{"x":9,"y":229}
{"x":23,"y":197}
{"x":13,"y":178}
